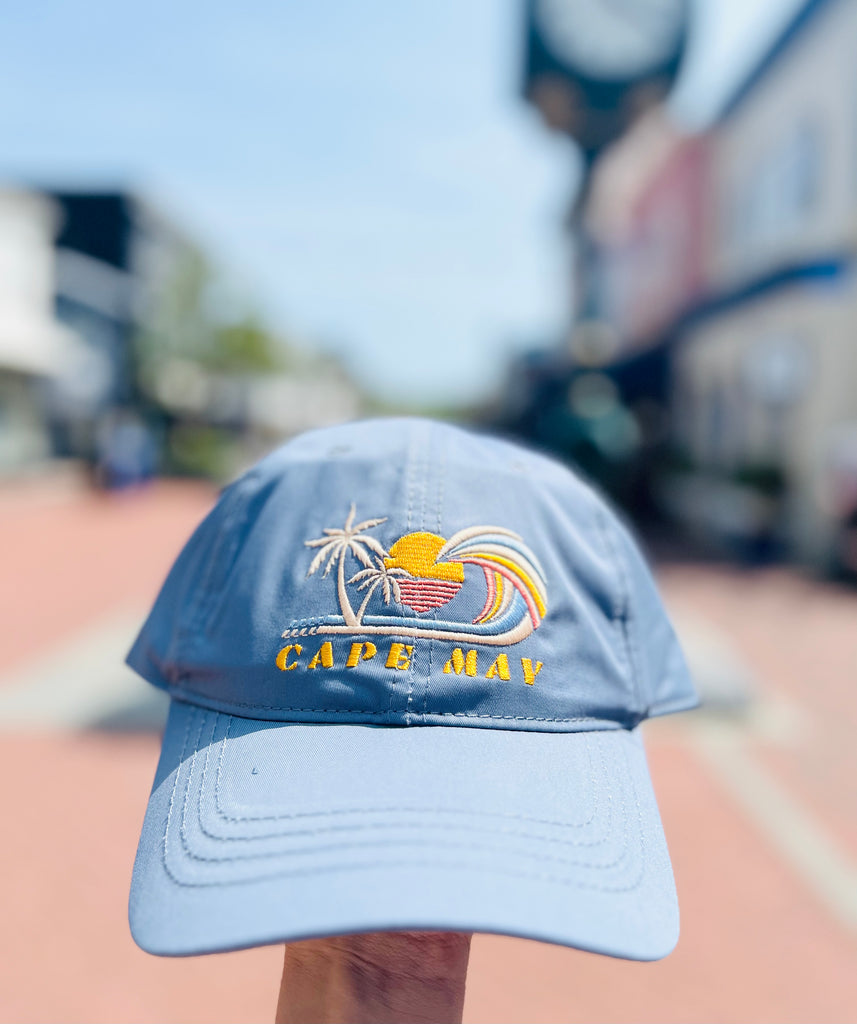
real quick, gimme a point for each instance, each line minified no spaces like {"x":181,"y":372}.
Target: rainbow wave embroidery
{"x":509,"y":566}
{"x":421,"y":573}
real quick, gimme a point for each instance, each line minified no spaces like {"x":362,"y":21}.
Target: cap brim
{"x":264,"y":832}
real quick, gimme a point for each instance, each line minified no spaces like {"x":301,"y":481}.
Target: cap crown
{"x":404,"y":572}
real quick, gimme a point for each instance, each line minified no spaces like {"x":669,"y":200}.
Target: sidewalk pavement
{"x":758,"y":797}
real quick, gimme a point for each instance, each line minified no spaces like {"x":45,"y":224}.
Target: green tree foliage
{"x":185,"y":320}
{"x":244,"y":347}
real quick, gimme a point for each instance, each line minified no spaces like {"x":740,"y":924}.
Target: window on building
{"x":781,"y":192}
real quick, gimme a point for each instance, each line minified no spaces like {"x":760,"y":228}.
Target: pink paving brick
{"x":69,"y":561}
{"x":799,"y":638}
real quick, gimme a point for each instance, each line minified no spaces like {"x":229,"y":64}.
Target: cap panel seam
{"x":180,"y":692}
{"x":226,"y":534}
{"x":622,"y":613}
{"x":441,"y":494}
{"x":422,"y":441}
{"x":409,"y":502}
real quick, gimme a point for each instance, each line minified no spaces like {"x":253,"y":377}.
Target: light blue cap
{"x":407,"y":665}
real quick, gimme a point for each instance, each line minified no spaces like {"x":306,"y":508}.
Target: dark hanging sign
{"x":592,"y":65}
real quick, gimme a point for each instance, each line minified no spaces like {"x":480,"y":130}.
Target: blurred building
{"x":649,"y":220}
{"x":718,"y":308}
{"x":592,"y":71}
{"x":166,"y":373}
{"x":602,"y":397}
{"x":114,"y":257}
{"x":33,"y":346}
{"x":765,"y":395}
{"x":220,"y":422}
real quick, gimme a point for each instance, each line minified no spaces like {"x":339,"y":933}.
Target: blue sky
{"x":366,"y":171}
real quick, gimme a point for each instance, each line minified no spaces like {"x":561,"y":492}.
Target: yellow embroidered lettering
{"x":461,"y":662}
{"x":499,"y":667}
{"x":358,"y":651}
{"x":530,"y":673}
{"x":283,"y":657}
{"x":400,"y":656}
{"x":323,"y":657}
{"x":455,"y":663}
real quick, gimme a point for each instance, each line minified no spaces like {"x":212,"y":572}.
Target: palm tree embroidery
{"x":335,"y":545}
{"x":383,"y":577}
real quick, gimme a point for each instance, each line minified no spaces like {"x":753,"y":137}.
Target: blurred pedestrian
{"x":407,"y":666}
{"x":125,"y":451}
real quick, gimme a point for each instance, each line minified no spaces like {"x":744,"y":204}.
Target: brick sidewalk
{"x":761,"y":938}
{"x":798,"y":637}
{"x":71,"y":554}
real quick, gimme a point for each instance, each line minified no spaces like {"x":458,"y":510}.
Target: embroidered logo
{"x":423,"y":572}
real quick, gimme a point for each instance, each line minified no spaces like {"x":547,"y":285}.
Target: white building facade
{"x":766,"y":376}
{"x":33,"y":346}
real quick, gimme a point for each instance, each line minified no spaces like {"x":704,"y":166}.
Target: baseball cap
{"x":407,"y":665}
